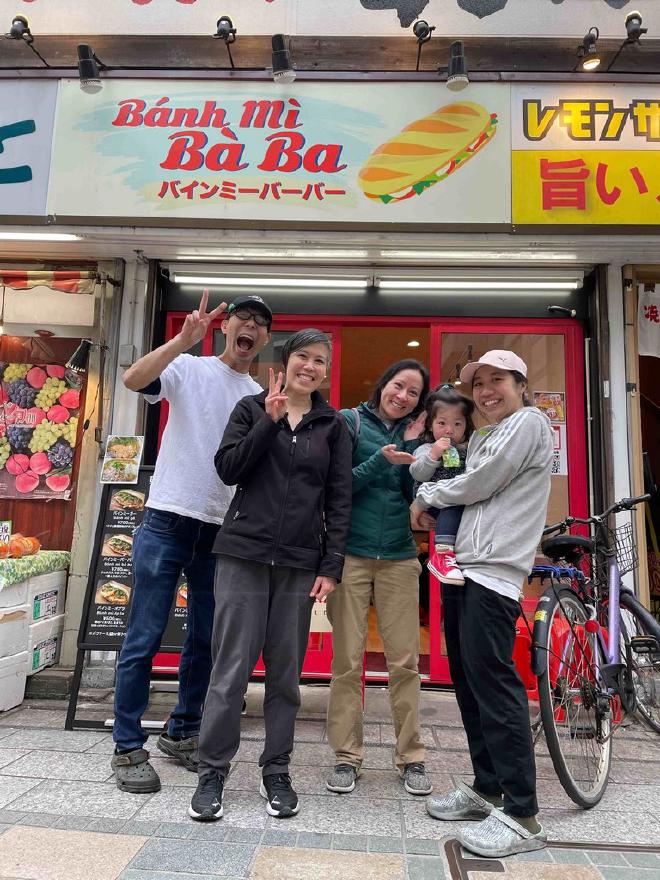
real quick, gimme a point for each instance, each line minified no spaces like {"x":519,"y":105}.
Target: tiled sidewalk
{"x":62,"y":817}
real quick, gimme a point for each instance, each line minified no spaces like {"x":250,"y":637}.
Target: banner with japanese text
{"x":27,"y":111}
{"x":586,"y":155}
{"x":320,"y":152}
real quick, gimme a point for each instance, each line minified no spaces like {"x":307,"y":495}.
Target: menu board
{"x":110,"y":584}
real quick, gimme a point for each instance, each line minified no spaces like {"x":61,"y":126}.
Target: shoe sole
{"x":445,"y":580}
{"x":134,"y":788}
{"x":525,"y":845}
{"x":476,"y":816}
{"x":417,"y":790}
{"x":340,"y":789}
{"x":205,"y":817}
{"x":285,"y":813}
{"x":178,"y":756}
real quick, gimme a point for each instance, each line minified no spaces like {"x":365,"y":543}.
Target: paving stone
{"x":55,"y":854}
{"x":8,"y":756}
{"x":131,"y":874}
{"x":539,"y":855}
{"x":418,"y":824}
{"x":314,"y":840}
{"x":643,"y":859}
{"x":60,"y":765}
{"x":530,"y":870}
{"x":344,"y":816}
{"x":53,"y":740}
{"x":9,"y":817}
{"x":570,"y":856}
{"x":27,"y":716}
{"x":623,"y":797}
{"x":309,"y":731}
{"x":39,"y":820}
{"x":314,"y":754}
{"x":172,"y":773}
{"x":606,"y":857}
{"x":93,"y":799}
{"x":106,"y":826}
{"x":592,"y":825}
{"x":196,"y":856}
{"x":106,"y":746}
{"x":385,"y":844}
{"x":420,"y":868}
{"x":243,"y":835}
{"x":354,"y":842}
{"x":634,"y":772}
{"x":173,"y":829}
{"x":421,"y":847}
{"x":6,"y":730}
{"x":135,"y":826}
{"x":3,"y":828}
{"x":241,"y":809}
{"x":11,"y":789}
{"x":252,"y":728}
{"x":284,"y":863}
{"x":634,"y":750}
{"x":279,"y":838}
{"x":388,"y":738}
{"x":450,"y":738}
{"x":630,"y":873}
{"x":72,"y":823}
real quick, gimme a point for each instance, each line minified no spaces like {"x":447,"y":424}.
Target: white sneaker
{"x":461,"y":804}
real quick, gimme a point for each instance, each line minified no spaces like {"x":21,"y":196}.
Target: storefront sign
{"x":586,"y":159}
{"x":27,"y":110}
{"x":262,"y":152}
{"x":39,"y":407}
{"x":110,"y":585}
{"x":648,"y":320}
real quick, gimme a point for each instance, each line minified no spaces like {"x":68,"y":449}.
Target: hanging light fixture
{"x":634,"y":27}
{"x":78,"y":361}
{"x":422,"y":31}
{"x":20,"y":30}
{"x":88,"y":69}
{"x":226,"y":32}
{"x":283,"y":71}
{"x":588,"y":50}
{"x":457,"y":71}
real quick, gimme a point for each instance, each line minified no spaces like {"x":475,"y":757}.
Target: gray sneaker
{"x":463,"y":803}
{"x":342,"y":778}
{"x":134,"y":773}
{"x":185,"y":751}
{"x":500,"y":835}
{"x":415,"y":779}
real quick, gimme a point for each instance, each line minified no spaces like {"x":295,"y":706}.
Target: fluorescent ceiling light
{"x":477,"y":284}
{"x":289,"y":253}
{"x":477,"y":255}
{"x":314,"y":283}
{"x":39,"y":236}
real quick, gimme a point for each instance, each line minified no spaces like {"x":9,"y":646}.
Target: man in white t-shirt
{"x":186,"y":506}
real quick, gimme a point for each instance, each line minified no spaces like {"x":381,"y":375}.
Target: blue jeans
{"x":446,"y":524}
{"x":163,"y":546}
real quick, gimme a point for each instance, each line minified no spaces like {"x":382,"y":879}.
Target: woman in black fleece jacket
{"x":281,"y":546}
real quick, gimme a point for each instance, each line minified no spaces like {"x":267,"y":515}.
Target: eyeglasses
{"x":245,"y":314}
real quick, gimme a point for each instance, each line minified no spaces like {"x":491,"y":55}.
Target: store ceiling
{"x":185,"y":55}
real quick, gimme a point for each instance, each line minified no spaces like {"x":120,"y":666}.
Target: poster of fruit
{"x":39,"y":407}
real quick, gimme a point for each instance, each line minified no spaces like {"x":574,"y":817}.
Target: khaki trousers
{"x":394,"y":585}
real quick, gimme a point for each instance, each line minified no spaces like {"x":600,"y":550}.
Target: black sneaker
{"x":206,"y":804}
{"x":244,"y":709}
{"x":282,"y":799}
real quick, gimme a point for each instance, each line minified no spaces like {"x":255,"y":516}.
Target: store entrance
{"x":363,"y":346}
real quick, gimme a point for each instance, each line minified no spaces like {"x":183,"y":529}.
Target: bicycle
{"x":595,"y":650}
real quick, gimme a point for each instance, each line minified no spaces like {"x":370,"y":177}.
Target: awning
{"x":65,"y":281}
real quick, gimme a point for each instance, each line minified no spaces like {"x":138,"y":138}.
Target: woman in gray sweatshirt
{"x":505,"y":490}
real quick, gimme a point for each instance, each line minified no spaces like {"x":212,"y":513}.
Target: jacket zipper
{"x":391,"y":439}
{"x":237,"y":512}
{"x":292,"y":450}
{"x":476,"y":530}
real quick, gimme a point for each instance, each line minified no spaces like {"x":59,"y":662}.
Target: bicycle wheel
{"x":576,"y":712}
{"x":644,"y":666}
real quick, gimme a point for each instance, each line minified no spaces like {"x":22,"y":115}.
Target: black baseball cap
{"x":252,"y":301}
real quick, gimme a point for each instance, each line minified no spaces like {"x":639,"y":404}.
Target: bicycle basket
{"x":626,"y":553}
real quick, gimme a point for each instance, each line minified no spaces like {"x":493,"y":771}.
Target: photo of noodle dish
{"x":119,"y":471}
{"x":124,"y":448}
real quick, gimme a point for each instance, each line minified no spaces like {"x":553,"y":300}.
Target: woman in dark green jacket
{"x":381,"y":564}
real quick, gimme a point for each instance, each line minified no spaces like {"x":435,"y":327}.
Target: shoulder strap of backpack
{"x":354,"y":428}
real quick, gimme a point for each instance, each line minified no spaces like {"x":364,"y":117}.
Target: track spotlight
{"x":226,"y":32}
{"x":88,"y":69}
{"x":588,"y":51}
{"x":20,"y":29}
{"x":283,"y":71}
{"x":422,"y":31}
{"x":79,"y":359}
{"x":457,"y":72}
{"x":634,"y":27}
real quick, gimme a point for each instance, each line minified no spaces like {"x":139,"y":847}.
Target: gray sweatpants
{"x":264,"y":609}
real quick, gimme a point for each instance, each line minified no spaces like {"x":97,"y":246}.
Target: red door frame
{"x":317,"y":664}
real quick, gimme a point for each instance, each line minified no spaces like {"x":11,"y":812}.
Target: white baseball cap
{"x":505,"y":360}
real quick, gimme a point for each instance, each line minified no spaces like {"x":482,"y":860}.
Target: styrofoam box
{"x":14,"y":624}
{"x":13,"y":674}
{"x":44,"y":643}
{"x":43,"y":592}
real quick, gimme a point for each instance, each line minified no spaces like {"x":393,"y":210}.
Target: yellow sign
{"x":585,"y":187}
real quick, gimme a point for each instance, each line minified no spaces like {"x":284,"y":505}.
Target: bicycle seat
{"x":568,"y":547}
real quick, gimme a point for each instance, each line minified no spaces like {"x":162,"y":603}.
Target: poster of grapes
{"x":39,"y":406}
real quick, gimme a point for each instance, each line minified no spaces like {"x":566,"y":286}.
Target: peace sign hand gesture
{"x":197,"y":322}
{"x":275,"y":400}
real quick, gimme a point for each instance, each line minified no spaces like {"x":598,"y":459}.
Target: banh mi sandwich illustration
{"x":426,"y":151}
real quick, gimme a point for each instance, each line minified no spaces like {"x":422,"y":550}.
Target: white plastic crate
{"x":14,"y":624}
{"x":44,"y":644}
{"x":13,"y":675}
{"x":44,"y":593}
